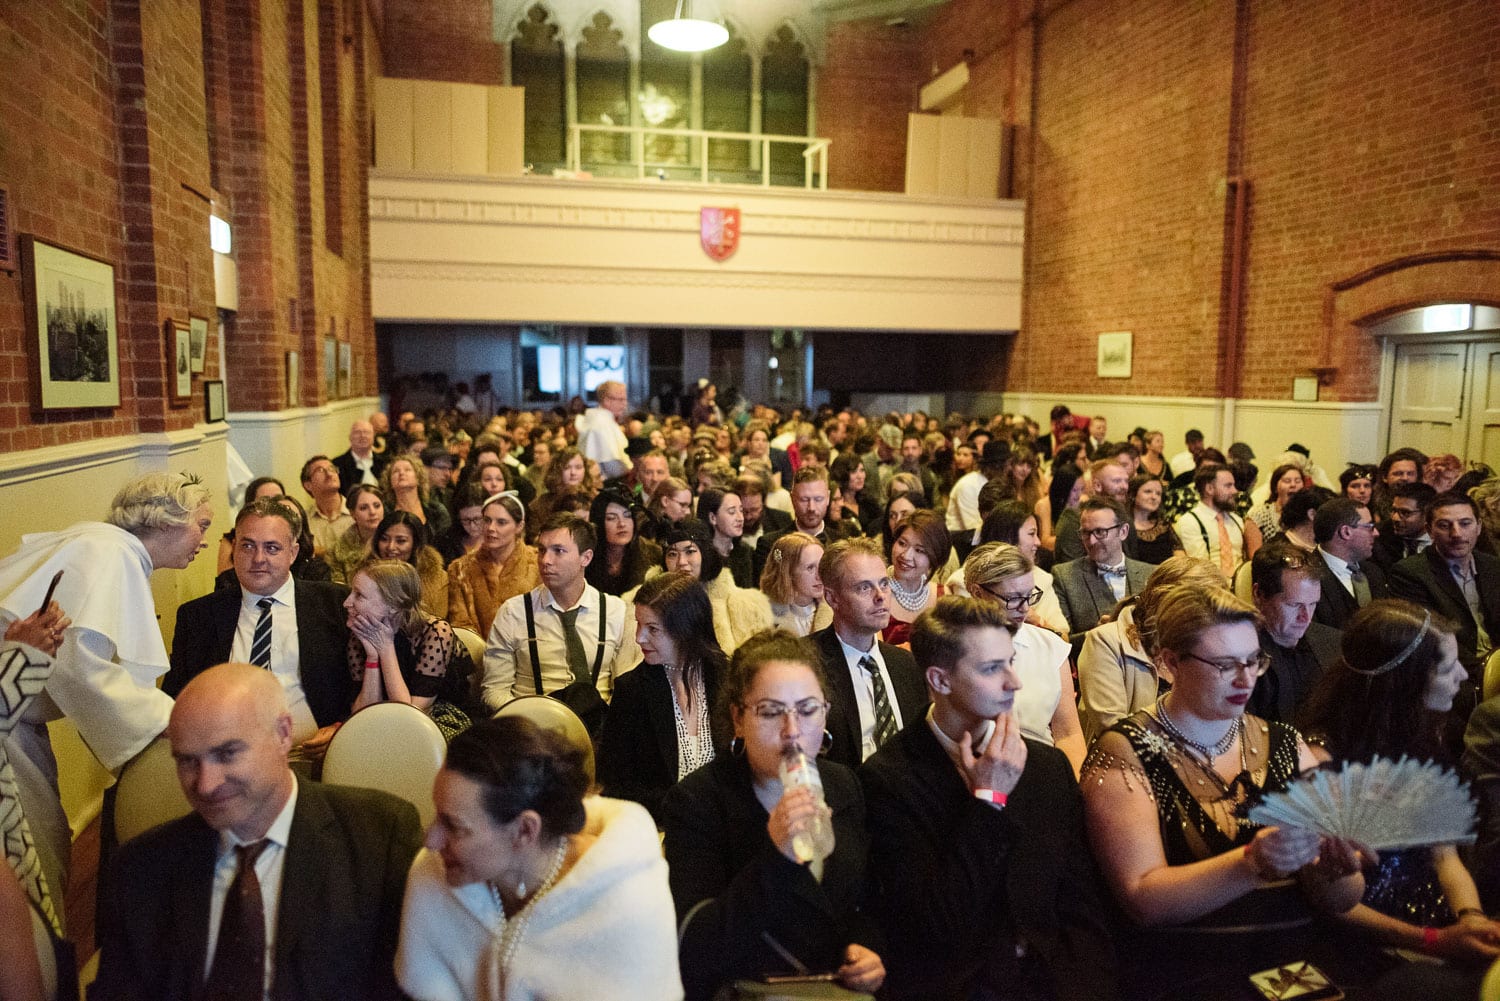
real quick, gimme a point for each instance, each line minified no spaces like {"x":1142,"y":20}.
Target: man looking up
{"x":985,"y":884}
{"x":274,"y":886}
{"x":874,"y":689}
{"x":329,"y":517}
{"x":361,"y":463}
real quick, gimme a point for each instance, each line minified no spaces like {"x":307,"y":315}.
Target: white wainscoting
{"x":277,"y":442}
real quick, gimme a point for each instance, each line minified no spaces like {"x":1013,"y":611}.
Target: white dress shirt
{"x":366,"y":467}
{"x":1038,"y":662}
{"x":286,"y":651}
{"x":1340,"y":569}
{"x":864,"y":693}
{"x":1198,"y":531}
{"x":269,"y":867}
{"x":963,"y":502}
{"x":507,"y":654}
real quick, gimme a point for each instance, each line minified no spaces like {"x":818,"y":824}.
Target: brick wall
{"x":865,"y":87}
{"x":450,"y":41}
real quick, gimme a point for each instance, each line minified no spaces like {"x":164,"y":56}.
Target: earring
{"x":521,"y":889}
{"x":827,"y":742}
{"x":737,"y":746}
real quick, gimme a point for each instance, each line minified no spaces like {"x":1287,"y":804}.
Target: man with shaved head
{"x":274,"y":886}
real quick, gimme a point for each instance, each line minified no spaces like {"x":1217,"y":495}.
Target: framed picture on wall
{"x":70,"y":308}
{"x":1115,"y":355}
{"x":198,"y":331}
{"x":346,"y":371}
{"x":293,"y":379}
{"x":213,"y":401}
{"x":330,"y":368}
{"x":179,"y":344}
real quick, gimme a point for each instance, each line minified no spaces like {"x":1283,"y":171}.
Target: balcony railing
{"x":758,"y":158}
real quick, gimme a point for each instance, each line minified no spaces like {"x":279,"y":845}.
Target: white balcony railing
{"x":814,"y":152}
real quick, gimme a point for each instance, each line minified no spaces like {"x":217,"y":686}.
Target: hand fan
{"x":1384,"y":805}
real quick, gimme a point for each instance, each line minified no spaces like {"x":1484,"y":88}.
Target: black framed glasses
{"x":1257,"y":665}
{"x":1095,"y":534}
{"x":1015,"y":602}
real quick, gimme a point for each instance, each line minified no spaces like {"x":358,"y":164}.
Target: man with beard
{"x":912,"y":462}
{"x":1210,"y":530}
{"x":1108,"y":481}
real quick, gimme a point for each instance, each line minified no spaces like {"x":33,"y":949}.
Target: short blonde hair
{"x":992,"y":563}
{"x":1180,"y":569}
{"x":157,"y":501}
{"x":786,"y":553}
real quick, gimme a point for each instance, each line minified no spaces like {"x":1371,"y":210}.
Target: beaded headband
{"x":1400,"y":658}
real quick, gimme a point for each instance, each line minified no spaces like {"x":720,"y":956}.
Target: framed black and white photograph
{"x":346,"y":357}
{"x":330,"y":368}
{"x":179,"y":344}
{"x":70,"y":299}
{"x":1115,"y":355}
{"x":213,"y":401}
{"x":198,"y":329}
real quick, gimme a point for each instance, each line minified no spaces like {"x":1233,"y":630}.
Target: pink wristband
{"x":991,"y":796}
{"x":1429,"y":938}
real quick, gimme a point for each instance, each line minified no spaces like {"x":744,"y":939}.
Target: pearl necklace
{"x":515,"y":927}
{"x":1209,"y":751}
{"x":912,"y":601}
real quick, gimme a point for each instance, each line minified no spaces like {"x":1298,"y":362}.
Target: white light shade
{"x":219,"y":238}
{"x":687,"y":34}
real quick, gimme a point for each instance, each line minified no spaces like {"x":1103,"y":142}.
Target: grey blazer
{"x":1084,"y":596}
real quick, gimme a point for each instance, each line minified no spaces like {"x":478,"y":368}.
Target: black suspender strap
{"x":536,"y":668}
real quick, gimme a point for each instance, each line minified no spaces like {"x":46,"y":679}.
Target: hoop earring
{"x":827,"y":744}
{"x":737,"y":746}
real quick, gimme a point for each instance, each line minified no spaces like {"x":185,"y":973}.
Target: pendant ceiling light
{"x":685,"y":33}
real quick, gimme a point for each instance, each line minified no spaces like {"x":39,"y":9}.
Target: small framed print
{"x":346,"y":372}
{"x":293,"y":379}
{"x":179,"y":343}
{"x":1115,"y":355}
{"x":213,"y":401}
{"x":198,"y":329}
{"x":330,"y":368}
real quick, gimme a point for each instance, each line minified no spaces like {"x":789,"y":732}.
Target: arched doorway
{"x":1444,"y":379}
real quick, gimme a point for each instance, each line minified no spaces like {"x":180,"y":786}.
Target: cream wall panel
{"x":469,"y":128}
{"x":394,"y":124}
{"x":541,"y":250}
{"x":432,"y":125}
{"x":277,"y":443}
{"x":506,"y":120}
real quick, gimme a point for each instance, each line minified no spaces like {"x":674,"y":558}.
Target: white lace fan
{"x":1385,"y":805}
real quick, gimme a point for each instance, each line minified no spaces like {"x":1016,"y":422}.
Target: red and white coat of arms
{"x":719,"y":231}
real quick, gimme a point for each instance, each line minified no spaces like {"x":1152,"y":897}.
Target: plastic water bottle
{"x":814,"y":842}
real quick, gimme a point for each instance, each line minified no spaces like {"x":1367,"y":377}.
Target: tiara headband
{"x":1400,"y":658}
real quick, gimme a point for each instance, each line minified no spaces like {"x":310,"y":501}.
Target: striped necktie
{"x":260,"y":644}
{"x":885,"y":720}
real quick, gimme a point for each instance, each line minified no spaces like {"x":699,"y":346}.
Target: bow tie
{"x":1116,"y":571}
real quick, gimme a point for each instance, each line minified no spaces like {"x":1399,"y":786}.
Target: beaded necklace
{"x":693,"y":750}
{"x":515,"y":926}
{"x":912,"y":601}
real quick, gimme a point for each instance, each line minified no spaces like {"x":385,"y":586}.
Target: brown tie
{"x":239,"y":970}
{"x":1226,"y":554}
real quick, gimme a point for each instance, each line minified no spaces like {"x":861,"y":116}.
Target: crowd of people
{"x":1044,"y":673}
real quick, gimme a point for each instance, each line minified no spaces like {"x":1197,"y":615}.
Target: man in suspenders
{"x":1210,"y":530}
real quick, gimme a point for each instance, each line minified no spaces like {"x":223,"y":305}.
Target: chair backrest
{"x":545,"y":711}
{"x":390,"y":746}
{"x":148,"y":793}
{"x":1489,"y":989}
{"x":475,"y":645}
{"x":1491,"y":683}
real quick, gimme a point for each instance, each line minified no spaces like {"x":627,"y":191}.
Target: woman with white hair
{"x":109,"y":657}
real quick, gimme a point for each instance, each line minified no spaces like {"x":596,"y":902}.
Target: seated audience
{"x":466,"y":532}
{"x":1345,"y":533}
{"x":1045,"y":708}
{"x":984,"y":884}
{"x":397,"y":651}
{"x":759,"y":517}
{"x":400,"y":536}
{"x":1108,"y":481}
{"x":1010,"y":522}
{"x":567,"y":474}
{"x":1089,"y":587}
{"x":502,"y":567}
{"x":274,"y":886}
{"x":1063,"y":493}
{"x":307,"y":566}
{"x":261,"y":486}
{"x":529,"y":887}
{"x":746,"y":898}
{"x":671,"y":503}
{"x":722,"y":512}
{"x":1210,"y":897}
{"x":1404,"y":532}
{"x":1285,"y":591}
{"x":295,"y":629}
{"x":403,"y":487}
{"x":810,"y":516}
{"x":791,"y":582}
{"x":1388,"y":695}
{"x":329,"y":517}
{"x":873,"y":686}
{"x":361,"y":463}
{"x":897,"y":510}
{"x":738,"y":612}
{"x":852,"y":506}
{"x":1357,"y":483}
{"x":665,"y":720}
{"x":920,"y":552}
{"x":1285,"y":483}
{"x":1151,"y":538}
{"x":353,"y":547}
{"x":1211,"y":530}
{"x":1117,"y":675}
{"x":624,"y":557}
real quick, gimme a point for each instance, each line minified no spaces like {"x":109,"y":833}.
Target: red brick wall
{"x":451,"y":40}
{"x":865,"y":87}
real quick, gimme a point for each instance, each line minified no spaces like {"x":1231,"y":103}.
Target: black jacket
{"x":349,"y":475}
{"x":909,"y":692}
{"x":1337,"y":606}
{"x":1426,"y":580}
{"x":958,"y":882}
{"x":205,"y":633}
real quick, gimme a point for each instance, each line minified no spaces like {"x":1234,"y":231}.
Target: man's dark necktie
{"x":1361,"y":585}
{"x":239,"y":970}
{"x":885,"y":720}
{"x":578,"y":663}
{"x":260,"y":643}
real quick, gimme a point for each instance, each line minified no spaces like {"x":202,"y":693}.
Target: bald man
{"x":274,"y":886}
{"x":599,"y":434}
{"x":361,"y":463}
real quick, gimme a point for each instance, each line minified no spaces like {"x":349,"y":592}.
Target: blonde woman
{"x":403,"y":487}
{"x":790,"y":580}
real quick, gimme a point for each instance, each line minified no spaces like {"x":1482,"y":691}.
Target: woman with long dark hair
{"x":401,"y":536}
{"x":623,"y":557}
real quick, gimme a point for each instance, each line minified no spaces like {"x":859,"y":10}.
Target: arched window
{"x":536,"y":63}
{"x":784,"y":101}
{"x":603,"y":91}
{"x":726,"y":103}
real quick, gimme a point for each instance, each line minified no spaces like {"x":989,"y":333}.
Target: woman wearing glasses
{"x":746,"y":905}
{"x":1045,"y":705}
{"x":1213,"y":898}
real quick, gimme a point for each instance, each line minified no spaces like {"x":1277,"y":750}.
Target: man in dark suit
{"x":1108,"y":481}
{"x":301,"y":635}
{"x":1405,"y":530}
{"x":1089,"y":587}
{"x":184,"y":906}
{"x":1453,"y":580}
{"x":361,"y":463}
{"x":759,"y":519}
{"x":874,"y":689}
{"x":810,"y":495}
{"x":1349,"y":579}
{"x":1285,"y":584}
{"x":984,"y":881}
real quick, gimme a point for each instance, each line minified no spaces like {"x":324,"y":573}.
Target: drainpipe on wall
{"x":1236,"y":219}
